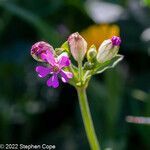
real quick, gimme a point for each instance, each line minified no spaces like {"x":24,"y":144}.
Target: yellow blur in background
{"x":96,"y":34}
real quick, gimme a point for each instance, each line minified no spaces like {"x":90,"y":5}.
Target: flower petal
{"x":49,"y":57}
{"x":42,"y":71}
{"x":53,"y":81}
{"x":65,"y":76}
{"x":64,"y":61}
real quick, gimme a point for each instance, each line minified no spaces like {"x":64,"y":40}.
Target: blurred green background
{"x":32,"y":113}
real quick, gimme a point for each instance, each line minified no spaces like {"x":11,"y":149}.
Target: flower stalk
{"x":87,"y":119}
{"x":80,"y":70}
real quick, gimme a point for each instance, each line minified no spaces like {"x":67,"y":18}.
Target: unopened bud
{"x":88,"y":66}
{"x":39,"y":49}
{"x":91,"y":54}
{"x":78,"y":46}
{"x":108,"y":49}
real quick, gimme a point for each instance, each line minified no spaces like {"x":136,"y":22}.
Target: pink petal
{"x":42,"y":71}
{"x":49,"y":56}
{"x":65,"y":76}
{"x":64,"y":61}
{"x":53,"y":81}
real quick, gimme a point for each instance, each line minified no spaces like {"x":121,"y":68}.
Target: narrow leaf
{"x":108,"y":64}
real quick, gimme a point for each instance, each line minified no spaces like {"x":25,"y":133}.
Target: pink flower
{"x":39,"y":49}
{"x":55,"y":69}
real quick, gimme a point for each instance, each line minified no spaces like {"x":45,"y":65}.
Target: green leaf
{"x":108,"y":64}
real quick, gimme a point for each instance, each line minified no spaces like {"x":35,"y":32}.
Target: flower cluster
{"x":60,"y":65}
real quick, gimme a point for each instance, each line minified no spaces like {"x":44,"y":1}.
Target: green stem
{"x":86,"y":115}
{"x":80,"y":70}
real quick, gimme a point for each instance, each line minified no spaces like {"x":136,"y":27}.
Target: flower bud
{"x":116,"y":41}
{"x":78,"y":46}
{"x":108,"y":49}
{"x":91,"y":54}
{"x":88,"y":66}
{"x":40,"y":48}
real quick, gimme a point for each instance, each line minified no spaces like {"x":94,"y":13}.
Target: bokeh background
{"x":32,"y":113}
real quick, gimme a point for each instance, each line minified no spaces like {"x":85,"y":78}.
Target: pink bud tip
{"x":116,"y":41}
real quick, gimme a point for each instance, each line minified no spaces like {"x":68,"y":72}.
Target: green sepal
{"x":65,"y":46}
{"x":108,"y":64}
{"x":59,"y":51}
{"x":92,"y":47}
{"x":74,"y":70}
{"x":88,"y":65}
